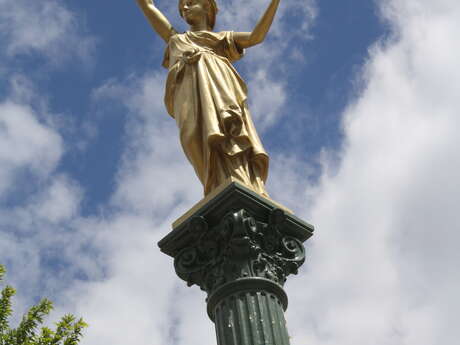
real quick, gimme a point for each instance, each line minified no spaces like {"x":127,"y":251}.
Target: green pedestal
{"x":240,"y":247}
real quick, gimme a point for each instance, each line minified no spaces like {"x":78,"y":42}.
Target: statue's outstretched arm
{"x":249,"y":39}
{"x":156,"y":18}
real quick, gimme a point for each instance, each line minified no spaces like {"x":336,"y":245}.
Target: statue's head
{"x":190,"y":8}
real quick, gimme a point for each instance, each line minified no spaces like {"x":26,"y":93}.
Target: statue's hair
{"x":212,"y":12}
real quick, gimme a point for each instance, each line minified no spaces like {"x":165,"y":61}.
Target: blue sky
{"x":356,"y":103}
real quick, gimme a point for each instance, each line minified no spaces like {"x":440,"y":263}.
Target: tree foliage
{"x":30,"y":330}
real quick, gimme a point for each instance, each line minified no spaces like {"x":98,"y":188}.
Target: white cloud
{"x":266,"y":98}
{"x":129,"y":303}
{"x":46,"y":27}
{"x":289,"y":174}
{"x":25,"y":144}
{"x":59,"y":202}
{"x":382,"y":261}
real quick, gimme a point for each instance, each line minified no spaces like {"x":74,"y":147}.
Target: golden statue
{"x":207,"y":97}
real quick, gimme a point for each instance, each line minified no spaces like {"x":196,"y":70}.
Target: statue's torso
{"x":189,"y":44}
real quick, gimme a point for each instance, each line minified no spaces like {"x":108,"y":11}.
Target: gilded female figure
{"x":207,"y":97}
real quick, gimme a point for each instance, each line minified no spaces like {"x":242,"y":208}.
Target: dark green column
{"x":240,"y":247}
{"x":249,"y":312}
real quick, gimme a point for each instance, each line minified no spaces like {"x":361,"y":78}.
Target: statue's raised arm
{"x":249,"y":39}
{"x":157,"y":19}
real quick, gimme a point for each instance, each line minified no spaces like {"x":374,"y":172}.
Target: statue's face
{"x":194,"y":11}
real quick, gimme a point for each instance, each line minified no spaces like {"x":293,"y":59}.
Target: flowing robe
{"x":207,"y":98}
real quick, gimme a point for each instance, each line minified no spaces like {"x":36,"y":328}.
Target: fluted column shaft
{"x":250,"y":318}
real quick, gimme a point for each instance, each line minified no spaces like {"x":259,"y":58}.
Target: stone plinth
{"x":240,"y":247}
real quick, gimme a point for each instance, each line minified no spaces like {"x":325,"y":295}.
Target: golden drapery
{"x":207,"y":98}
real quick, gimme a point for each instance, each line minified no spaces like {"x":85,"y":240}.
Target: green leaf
{"x":2,"y":272}
{"x":5,"y":308}
{"x":27,"y":328}
{"x":68,"y":330}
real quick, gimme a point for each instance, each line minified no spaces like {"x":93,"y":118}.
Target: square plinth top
{"x":231,"y":197}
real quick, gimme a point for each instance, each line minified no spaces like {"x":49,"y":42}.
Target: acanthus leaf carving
{"x":238,"y":247}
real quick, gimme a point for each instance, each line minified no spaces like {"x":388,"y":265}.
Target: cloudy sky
{"x":358,"y":104}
